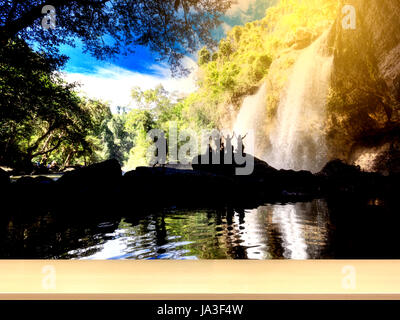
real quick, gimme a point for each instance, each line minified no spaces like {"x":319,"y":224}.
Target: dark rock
{"x":161,"y":185}
{"x":297,"y":182}
{"x":4,"y":178}
{"x":266,"y":181}
{"x":40,"y":169}
{"x":97,"y":176}
{"x":387,"y":160}
{"x":340,"y":177}
{"x":158,"y":172}
{"x":338,"y":168}
{"x":381,"y":31}
{"x":260,"y":168}
{"x":26,"y":180}
{"x":35,"y":191}
{"x":377,"y":24}
{"x":396,"y":84}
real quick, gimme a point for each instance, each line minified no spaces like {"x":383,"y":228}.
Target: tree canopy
{"x":170,"y":28}
{"x":39,"y":112}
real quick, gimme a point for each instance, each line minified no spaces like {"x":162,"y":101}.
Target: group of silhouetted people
{"x":226,"y":149}
{"x":223,"y":150}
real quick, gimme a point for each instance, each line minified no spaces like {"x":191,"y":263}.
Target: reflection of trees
{"x":173,"y":235}
{"x":161,"y":230}
{"x":199,"y":228}
{"x":274,"y":235}
{"x":47,"y":235}
{"x":222,"y":233}
{"x":316,"y":226}
{"x":230,"y":237}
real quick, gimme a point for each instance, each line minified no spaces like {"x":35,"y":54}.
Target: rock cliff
{"x":363,"y":126}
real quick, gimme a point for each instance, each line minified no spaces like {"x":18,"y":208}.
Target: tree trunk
{"x":68,"y":159}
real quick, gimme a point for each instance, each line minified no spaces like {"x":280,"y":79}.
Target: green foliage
{"x":204,"y":56}
{"x":139,"y":120}
{"x":171,"y":29}
{"x":243,"y":59}
{"x":116,"y":140}
{"x":156,"y":109}
{"x":159,"y":109}
{"x":43,"y":119}
{"x":41,"y":116}
{"x":225,"y":48}
{"x":291,"y":19}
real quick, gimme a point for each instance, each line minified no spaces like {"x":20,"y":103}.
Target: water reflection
{"x":342,"y":228}
{"x":285,"y":219}
{"x":303,"y":228}
{"x":291,"y":231}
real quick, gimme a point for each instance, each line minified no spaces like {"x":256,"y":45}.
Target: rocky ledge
{"x":204,"y":185}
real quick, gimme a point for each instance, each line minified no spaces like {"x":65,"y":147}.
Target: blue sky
{"x":141,"y":61}
{"x":112,"y":80}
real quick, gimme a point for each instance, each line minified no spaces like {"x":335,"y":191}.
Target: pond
{"x":318,"y":229}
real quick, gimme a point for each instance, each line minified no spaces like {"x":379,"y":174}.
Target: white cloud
{"x":242,"y":5}
{"x":114,"y":84}
{"x":226,"y":27}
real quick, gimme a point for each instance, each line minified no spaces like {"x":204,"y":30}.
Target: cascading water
{"x":298,"y":140}
{"x":251,"y":117}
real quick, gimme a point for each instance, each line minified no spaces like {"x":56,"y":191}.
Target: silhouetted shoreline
{"x":205,"y":186}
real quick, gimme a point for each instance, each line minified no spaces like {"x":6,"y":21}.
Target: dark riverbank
{"x":169,"y":213}
{"x":204,"y":186}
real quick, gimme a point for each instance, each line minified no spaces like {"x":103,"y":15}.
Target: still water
{"x":308,"y":230}
{"x":301,"y":229}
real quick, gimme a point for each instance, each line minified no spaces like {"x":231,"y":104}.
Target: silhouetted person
{"x":217,"y":143}
{"x":210,"y":152}
{"x":228,"y":143}
{"x":222,"y":152}
{"x":240,"y":145}
{"x":217,"y":140}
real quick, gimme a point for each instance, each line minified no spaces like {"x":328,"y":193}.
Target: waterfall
{"x":297,"y":141}
{"x":251,"y":117}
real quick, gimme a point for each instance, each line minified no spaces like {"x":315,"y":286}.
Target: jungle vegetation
{"x":72,"y":129}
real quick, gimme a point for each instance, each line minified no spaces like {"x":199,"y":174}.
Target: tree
{"x":117,"y":141}
{"x":225,"y":48}
{"x":204,"y":56}
{"x":138,"y":123}
{"x":158,"y":101}
{"x":171,"y":28}
{"x":40,"y":114}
